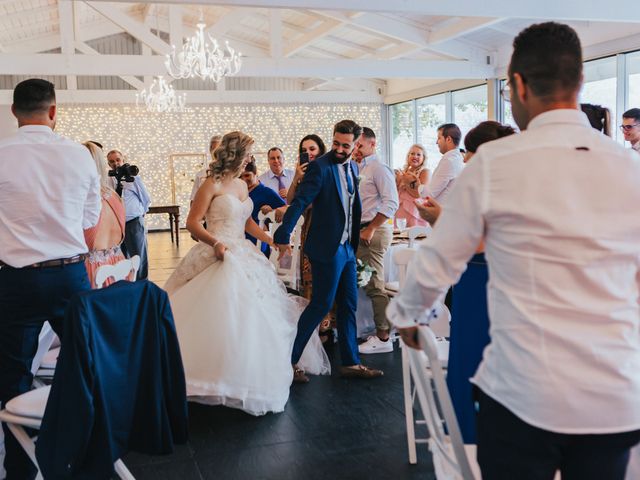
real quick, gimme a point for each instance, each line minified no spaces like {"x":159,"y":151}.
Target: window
{"x":633,"y":68}
{"x":469,"y":108}
{"x":600,"y":85}
{"x":402,"y":131}
{"x":431,"y":113}
{"x":505,"y":107}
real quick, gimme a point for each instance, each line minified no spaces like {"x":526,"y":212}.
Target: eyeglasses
{"x":626,"y":128}
{"x":506,"y":93}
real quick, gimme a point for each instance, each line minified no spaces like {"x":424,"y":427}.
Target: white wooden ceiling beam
{"x":59,"y":64}
{"x":459,"y":27}
{"x":406,"y":33}
{"x":176,"y":34}
{"x":325,"y":28}
{"x":565,"y":10}
{"x":132,"y":26}
{"x":67,"y":36}
{"x":275,"y":33}
{"x":87,"y":50}
{"x":195,"y":97}
{"x":226,"y":22}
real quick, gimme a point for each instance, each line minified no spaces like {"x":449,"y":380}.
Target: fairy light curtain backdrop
{"x":150,"y":140}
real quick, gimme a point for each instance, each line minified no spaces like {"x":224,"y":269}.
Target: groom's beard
{"x":341,"y":157}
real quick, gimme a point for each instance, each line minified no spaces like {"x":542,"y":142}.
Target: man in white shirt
{"x":450,"y":165}
{"x":379,"y":197}
{"x":136,"y":205}
{"x":49,"y":193}
{"x":631,"y":128}
{"x":559,"y":385}
{"x":277,"y":178}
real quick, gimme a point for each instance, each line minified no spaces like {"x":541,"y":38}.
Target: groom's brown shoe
{"x":299,"y":376}
{"x":360,"y":371}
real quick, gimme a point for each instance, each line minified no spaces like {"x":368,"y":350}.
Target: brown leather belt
{"x":51,"y":263}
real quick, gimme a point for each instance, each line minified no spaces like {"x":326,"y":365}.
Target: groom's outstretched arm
{"x":305,"y":194}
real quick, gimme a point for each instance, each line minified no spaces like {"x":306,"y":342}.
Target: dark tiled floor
{"x":331,"y":428}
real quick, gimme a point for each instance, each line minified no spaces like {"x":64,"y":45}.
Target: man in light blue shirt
{"x":277,"y":178}
{"x":379,"y":197}
{"x":136,"y":204}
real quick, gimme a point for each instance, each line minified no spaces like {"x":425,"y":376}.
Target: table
{"x":174,"y":218}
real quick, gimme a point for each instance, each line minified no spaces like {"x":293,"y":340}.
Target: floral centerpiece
{"x":364,"y":271}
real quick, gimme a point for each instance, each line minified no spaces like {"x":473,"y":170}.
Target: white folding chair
{"x":27,"y":410}
{"x":452,"y":460}
{"x":288,"y":273}
{"x":401,"y":258}
{"x":119,"y":271}
{"x":46,"y":365}
{"x":416,"y":232}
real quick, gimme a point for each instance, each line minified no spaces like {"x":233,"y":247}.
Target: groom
{"x":330,"y":185}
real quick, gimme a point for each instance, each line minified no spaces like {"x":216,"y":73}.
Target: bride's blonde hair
{"x":229,"y":156}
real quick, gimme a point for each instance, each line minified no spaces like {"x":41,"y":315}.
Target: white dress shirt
{"x":636,"y":146}
{"x":270,"y":179}
{"x":49,"y":193}
{"x":440,"y":184}
{"x":347,"y":198}
{"x":555,"y":206}
{"x":378,"y":191}
{"x":135,"y":197}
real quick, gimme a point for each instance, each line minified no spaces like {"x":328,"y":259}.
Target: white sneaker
{"x":375,"y":345}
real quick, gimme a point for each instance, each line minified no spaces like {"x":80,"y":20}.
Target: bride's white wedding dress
{"x":235,"y":321}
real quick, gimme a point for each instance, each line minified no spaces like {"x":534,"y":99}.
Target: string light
{"x":147,"y":139}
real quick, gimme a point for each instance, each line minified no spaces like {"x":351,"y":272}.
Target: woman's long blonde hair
{"x":424,"y":157}
{"x":101,"y":164}
{"x":228,"y":158}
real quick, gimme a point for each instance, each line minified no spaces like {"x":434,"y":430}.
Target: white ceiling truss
{"x":349,"y":48}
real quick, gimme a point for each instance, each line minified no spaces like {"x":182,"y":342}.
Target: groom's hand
{"x":282,"y":249}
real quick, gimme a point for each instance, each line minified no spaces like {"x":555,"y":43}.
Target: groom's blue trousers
{"x":332,"y":279}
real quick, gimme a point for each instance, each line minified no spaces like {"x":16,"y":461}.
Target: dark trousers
{"x":135,"y":243}
{"x":336,"y":280}
{"x":509,"y":448}
{"x":28,"y":298}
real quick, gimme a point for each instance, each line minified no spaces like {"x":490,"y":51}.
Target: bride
{"x":235,"y":321}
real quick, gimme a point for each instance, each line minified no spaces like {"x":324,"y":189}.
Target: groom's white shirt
{"x":347,"y":200}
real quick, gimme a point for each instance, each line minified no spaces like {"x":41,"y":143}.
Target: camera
{"x":124,"y":173}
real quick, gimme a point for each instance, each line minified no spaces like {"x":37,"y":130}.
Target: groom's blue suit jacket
{"x":321,"y":188}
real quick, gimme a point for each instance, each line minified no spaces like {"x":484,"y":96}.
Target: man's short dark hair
{"x":548,"y":57}
{"x":273,"y":149}
{"x":348,"y":126}
{"x":33,"y":96}
{"x":632,"y":113}
{"x":368,"y":133}
{"x":451,"y":130}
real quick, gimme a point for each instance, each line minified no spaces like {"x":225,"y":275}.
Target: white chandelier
{"x":161,"y":97}
{"x":203,"y":58}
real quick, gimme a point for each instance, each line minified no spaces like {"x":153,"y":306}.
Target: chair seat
{"x":50,"y":358}
{"x":30,"y":404}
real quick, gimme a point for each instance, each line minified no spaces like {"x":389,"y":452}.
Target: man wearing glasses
{"x":631,"y":127}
